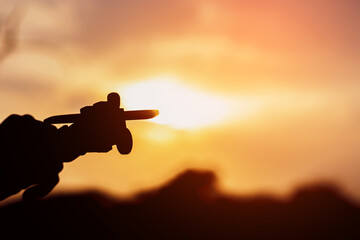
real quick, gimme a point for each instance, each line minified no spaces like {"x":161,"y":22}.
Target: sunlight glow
{"x":180,"y":106}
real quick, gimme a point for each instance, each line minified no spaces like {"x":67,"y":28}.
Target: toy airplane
{"x":109,"y":115}
{"x":113,"y":99}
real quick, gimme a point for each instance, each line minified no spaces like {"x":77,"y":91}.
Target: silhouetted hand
{"x":33,"y":151}
{"x":29,"y":157}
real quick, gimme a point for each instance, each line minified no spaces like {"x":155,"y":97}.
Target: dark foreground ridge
{"x":188,"y":207}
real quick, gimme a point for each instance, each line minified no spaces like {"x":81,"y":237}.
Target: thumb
{"x":40,"y":190}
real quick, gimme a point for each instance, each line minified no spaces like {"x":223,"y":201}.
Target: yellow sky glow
{"x":180,"y":106}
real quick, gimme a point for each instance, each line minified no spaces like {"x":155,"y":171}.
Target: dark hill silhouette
{"x":188,"y":207}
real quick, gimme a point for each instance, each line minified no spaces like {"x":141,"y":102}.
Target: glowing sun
{"x":180,"y":106}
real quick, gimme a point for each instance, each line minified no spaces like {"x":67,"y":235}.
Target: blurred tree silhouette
{"x":188,"y":207}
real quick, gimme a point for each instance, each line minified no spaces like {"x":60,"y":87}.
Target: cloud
{"x":9,"y":30}
{"x":258,"y":42}
{"x":266,"y":42}
{"x":102,"y":23}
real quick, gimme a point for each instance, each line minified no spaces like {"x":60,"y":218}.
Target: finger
{"x":7,"y":192}
{"x":10,"y":119}
{"x":104,"y":147}
{"x":85,"y":110}
{"x":101,"y":104}
{"x":41,"y":189}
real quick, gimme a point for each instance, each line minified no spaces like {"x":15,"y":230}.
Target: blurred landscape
{"x":187,"y":207}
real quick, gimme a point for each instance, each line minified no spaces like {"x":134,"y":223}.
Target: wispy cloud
{"x":9,"y":31}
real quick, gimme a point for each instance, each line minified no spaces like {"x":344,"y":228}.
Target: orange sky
{"x":276,"y":81}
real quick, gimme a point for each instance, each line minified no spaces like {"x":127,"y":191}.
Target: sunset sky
{"x":264,"y":92}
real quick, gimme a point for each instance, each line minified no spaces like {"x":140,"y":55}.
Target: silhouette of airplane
{"x":110,"y":113}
